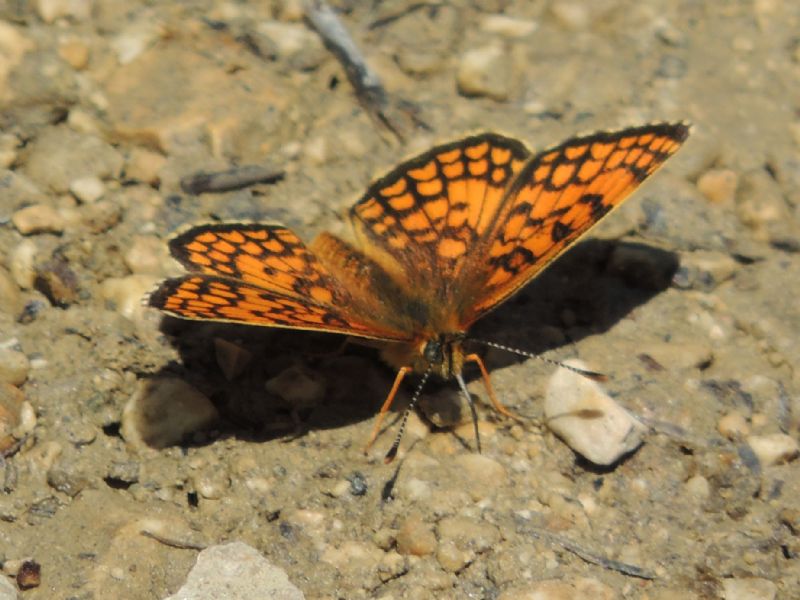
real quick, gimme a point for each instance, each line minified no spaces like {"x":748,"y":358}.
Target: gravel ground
{"x":130,"y":443}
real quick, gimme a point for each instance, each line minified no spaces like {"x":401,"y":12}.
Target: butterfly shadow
{"x":271,"y":383}
{"x":585,"y":292}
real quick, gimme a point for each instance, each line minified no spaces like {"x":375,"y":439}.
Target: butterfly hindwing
{"x":261,"y":275}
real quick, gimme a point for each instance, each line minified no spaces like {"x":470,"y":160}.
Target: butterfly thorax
{"x":442,"y":354}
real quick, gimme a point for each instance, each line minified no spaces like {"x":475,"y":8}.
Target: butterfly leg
{"x":387,"y":405}
{"x":498,"y":406}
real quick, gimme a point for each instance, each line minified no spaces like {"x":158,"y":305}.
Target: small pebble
{"x":232,"y":358}
{"x":58,"y":282}
{"x":145,"y":255}
{"x":163,"y":411}
{"x":127,"y":293}
{"x":580,"y":412}
{"x":415,"y":537}
{"x":315,"y":151}
{"x":718,"y":185}
{"x":748,"y":588}
{"x":294,"y":43}
{"x":60,"y":155}
{"x":774,"y":449}
{"x":10,"y":298}
{"x":704,"y":270}
{"x":759,"y":200}
{"x":452,"y":558}
{"x":298,"y":387}
{"x":14,"y":367}
{"x":236,"y":570}
{"x":468,"y":533}
{"x":50,"y":10}
{"x":29,"y":575}
{"x":353,"y":558}
{"x":75,"y":53}
{"x":38,"y":218}
{"x":733,"y":426}
{"x":698,"y":487}
{"x":87,"y":189}
{"x":392,"y":565}
{"x":9,"y":146}
{"x":145,"y":166}
{"x":211,"y":483}
{"x":485,"y":476}
{"x":485,"y":72}
{"x":11,"y":401}
{"x":510,"y":27}
{"x":135,"y":38}
{"x":571,"y":14}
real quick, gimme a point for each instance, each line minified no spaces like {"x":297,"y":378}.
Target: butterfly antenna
{"x":467,"y":395}
{"x":593,"y":375}
{"x":392,"y":453}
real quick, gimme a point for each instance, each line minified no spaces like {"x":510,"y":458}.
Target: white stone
{"x":135,"y":39}
{"x":38,"y":218}
{"x":509,"y":27}
{"x":14,"y":366}
{"x":236,"y":570}
{"x":774,"y":449}
{"x":7,"y":590}
{"x":162,"y":412}
{"x":21,"y":264}
{"x":128,"y":294}
{"x":484,"y":71}
{"x":580,"y":412}
{"x":50,"y":10}
{"x":87,"y":189}
{"x":748,"y":588}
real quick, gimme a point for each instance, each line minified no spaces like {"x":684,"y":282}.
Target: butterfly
{"x":436,"y":243}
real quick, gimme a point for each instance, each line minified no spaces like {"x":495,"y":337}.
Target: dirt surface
{"x":686,"y":297}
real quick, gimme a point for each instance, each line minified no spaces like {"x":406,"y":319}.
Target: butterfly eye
{"x":433,"y":352}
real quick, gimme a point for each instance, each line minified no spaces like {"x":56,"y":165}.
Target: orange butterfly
{"x":438,"y":242}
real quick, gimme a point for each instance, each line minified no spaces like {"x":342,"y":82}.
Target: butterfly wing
{"x":556,"y":198}
{"x":260,"y":275}
{"x":420,"y":220}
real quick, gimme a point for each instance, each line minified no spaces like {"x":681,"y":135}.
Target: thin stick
{"x":366,"y":83}
{"x":588,"y":374}
{"x":592,"y":557}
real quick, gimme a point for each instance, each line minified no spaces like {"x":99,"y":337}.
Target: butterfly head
{"x":443,"y":355}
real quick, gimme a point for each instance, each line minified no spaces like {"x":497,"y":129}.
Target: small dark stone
{"x":29,"y":575}
{"x":358,"y":484}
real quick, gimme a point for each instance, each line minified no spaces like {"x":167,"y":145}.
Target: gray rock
{"x":163,"y":411}
{"x":60,"y":156}
{"x":236,"y":570}
{"x":7,"y":589}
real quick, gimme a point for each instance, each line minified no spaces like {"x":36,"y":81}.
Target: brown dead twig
{"x":393,"y":114}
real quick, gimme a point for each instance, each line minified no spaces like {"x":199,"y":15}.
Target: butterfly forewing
{"x":558,"y":196}
{"x":421,"y":219}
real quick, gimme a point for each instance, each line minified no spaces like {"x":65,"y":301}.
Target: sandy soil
{"x":687,"y":298}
